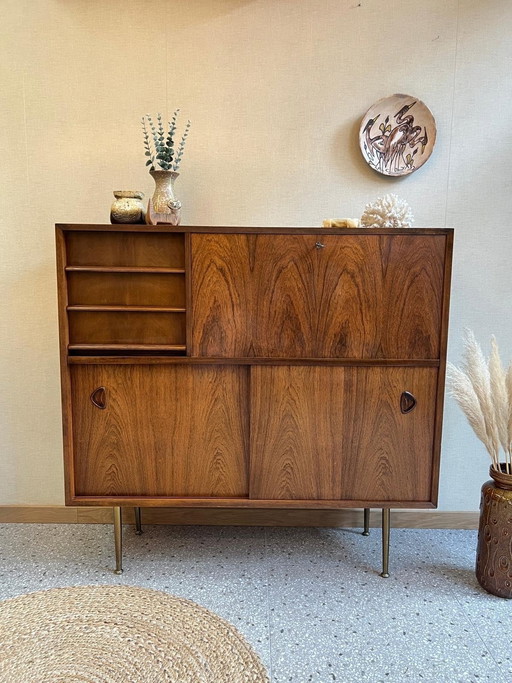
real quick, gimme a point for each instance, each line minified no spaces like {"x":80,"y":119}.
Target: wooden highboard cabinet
{"x":252,"y":367}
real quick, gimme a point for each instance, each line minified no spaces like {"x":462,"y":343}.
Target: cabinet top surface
{"x":252,"y":230}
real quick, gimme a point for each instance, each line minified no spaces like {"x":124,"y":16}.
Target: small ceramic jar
{"x":128,"y":207}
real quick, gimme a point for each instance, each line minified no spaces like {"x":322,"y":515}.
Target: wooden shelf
{"x":125,"y":309}
{"x":124,"y":269}
{"x":127,"y":347}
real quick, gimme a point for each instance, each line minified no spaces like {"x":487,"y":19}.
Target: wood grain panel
{"x":339,"y":433}
{"x":125,"y":249}
{"x":166,"y":431}
{"x":412,"y":295}
{"x":221,"y":291}
{"x":317,"y":296}
{"x":126,"y":289}
{"x":352,"y":296}
{"x":296,"y":432}
{"x":284,"y":296}
{"x":86,"y":327}
{"x":389,"y":454}
{"x":348,"y":284}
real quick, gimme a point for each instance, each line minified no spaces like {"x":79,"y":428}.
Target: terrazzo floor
{"x":310,"y":601}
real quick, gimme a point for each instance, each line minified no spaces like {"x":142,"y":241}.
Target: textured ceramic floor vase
{"x":494,"y":551}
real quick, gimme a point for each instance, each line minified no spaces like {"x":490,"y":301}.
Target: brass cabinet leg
{"x":366,"y":531}
{"x":138,"y":523}
{"x":386,"y":518}
{"x":118,"y":539}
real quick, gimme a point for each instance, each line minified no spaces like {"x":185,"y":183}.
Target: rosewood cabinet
{"x":252,"y":367}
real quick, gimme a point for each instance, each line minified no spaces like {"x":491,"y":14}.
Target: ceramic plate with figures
{"x":397,"y":135}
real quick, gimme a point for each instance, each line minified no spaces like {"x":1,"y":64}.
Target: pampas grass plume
{"x":508,"y":384}
{"x":499,"y":394}
{"x":484,"y":392}
{"x":463,"y":392}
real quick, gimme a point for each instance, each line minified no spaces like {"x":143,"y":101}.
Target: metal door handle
{"x":99,"y":398}
{"x":407,"y":402}
{"x":319,"y":245}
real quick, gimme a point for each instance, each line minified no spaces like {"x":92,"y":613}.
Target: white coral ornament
{"x":387,"y":212}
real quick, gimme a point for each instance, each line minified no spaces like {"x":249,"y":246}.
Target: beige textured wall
{"x":275,"y":90}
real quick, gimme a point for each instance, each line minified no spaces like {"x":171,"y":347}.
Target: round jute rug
{"x":119,"y":634}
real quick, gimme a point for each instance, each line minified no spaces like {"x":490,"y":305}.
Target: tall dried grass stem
{"x":508,"y":384}
{"x":475,"y":366}
{"x":499,"y":398}
{"x":464,"y":393}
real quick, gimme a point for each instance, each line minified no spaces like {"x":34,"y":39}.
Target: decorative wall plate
{"x":397,"y":135}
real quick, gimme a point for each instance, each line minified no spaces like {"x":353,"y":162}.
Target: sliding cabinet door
{"x":170,"y":430}
{"x":333,"y":433}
